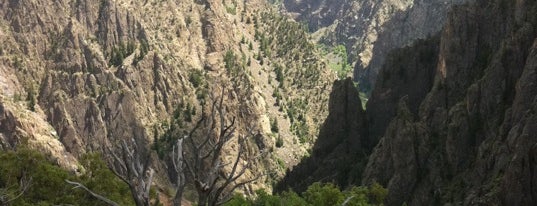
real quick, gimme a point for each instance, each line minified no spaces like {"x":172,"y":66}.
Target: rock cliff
{"x":409,"y":71}
{"x":342,"y":140}
{"x":371,"y":29}
{"x":469,"y":143}
{"x":454,"y":115}
{"x":95,"y":72}
{"x":350,"y":133}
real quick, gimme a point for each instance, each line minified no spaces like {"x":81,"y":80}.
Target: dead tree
{"x":202,"y":156}
{"x":133,"y":166}
{"x":99,"y":197}
{"x":178,"y":166}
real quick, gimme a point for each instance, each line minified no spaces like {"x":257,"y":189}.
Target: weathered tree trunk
{"x":202,"y":199}
{"x":178,"y":163}
{"x":139,"y":200}
{"x":133,"y":166}
{"x":178,"y":197}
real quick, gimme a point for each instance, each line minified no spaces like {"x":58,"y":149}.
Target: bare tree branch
{"x":228,"y":196}
{"x":133,"y":166}
{"x":202,"y":156}
{"x":234,"y":175}
{"x":347,"y":200}
{"x":100,"y":197}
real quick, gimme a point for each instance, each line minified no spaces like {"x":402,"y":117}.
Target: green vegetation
{"x":57,"y":41}
{"x":363,"y":95}
{"x":28,"y":178}
{"x":189,"y":111}
{"x":122,"y":51}
{"x":279,"y":75}
{"x":230,"y":61}
{"x":231,"y":8}
{"x":144,"y":49}
{"x":188,"y":20}
{"x":317,"y":194}
{"x":119,"y":53}
{"x":339,"y":62}
{"x":296,"y":64}
{"x":274,"y":125}
{"x":31,"y":98}
{"x":296,"y":110}
{"x":281,"y":163}
{"x":236,"y":69}
{"x":102,"y":180}
{"x":196,"y":78}
{"x":279,"y":141}
{"x":182,"y":115}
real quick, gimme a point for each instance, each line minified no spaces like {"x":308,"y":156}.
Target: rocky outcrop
{"x":409,"y":74}
{"x":344,"y":116}
{"x":342,"y":139}
{"x":471,"y":142}
{"x":408,"y":71}
{"x":404,"y":148}
{"x":21,"y":128}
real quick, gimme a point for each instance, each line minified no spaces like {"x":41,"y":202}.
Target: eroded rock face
{"x":342,"y":141}
{"x":408,"y":71}
{"x":471,"y":142}
{"x":317,"y":13}
{"x":344,"y":116}
{"x":457,"y":126}
{"x":371,"y":29}
{"x":404,"y":147}
{"x":103,"y":71}
{"x":21,"y":128}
